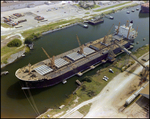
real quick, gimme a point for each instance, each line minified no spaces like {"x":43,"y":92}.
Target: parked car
{"x":110,"y":70}
{"x":105,"y":79}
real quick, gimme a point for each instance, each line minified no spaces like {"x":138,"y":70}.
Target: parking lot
{"x":51,"y":13}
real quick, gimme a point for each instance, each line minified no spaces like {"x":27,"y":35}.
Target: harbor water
{"x":13,"y":100}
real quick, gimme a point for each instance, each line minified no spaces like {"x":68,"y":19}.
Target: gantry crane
{"x":81,"y":46}
{"x":145,"y":71}
{"x":52,"y":60}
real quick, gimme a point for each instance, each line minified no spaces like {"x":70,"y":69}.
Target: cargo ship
{"x":145,"y":7}
{"x":52,"y":71}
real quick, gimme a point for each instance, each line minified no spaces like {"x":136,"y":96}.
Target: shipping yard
{"x":118,"y":89}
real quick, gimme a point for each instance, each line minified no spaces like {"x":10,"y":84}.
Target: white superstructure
{"x":127,"y":31}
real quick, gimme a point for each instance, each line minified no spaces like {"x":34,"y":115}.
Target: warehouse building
{"x":104,"y":2}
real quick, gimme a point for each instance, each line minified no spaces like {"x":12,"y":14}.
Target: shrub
{"x":132,"y":62}
{"x":91,"y":93}
{"x":87,"y":79}
{"x":122,"y":69}
{"x":14,"y":43}
{"x":32,"y":37}
{"x":83,"y":87}
{"x":28,"y":40}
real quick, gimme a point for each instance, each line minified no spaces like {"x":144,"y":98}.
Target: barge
{"x":145,"y":7}
{"x":66,"y":65}
{"x":96,"y":20}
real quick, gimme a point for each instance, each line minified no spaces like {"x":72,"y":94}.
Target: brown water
{"x":13,"y":101}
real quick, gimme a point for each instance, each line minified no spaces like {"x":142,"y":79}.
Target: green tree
{"x":14,"y":43}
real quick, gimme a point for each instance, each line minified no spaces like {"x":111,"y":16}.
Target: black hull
{"x":47,"y":83}
{"x":144,"y":9}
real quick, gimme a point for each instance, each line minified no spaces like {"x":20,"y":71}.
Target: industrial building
{"x":104,"y":2}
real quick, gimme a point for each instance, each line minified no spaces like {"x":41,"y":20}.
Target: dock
{"x":80,"y":84}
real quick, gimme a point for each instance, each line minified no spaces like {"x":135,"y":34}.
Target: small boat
{"x":111,"y":17}
{"x":85,"y":26}
{"x":64,"y":81}
{"x":132,"y":10}
{"x":128,"y":12}
{"x":137,"y":42}
{"x":137,"y":8}
{"x":4,"y":72}
{"x":30,"y":46}
{"x":23,"y":55}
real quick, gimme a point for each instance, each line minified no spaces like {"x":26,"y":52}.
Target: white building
{"x":104,"y":2}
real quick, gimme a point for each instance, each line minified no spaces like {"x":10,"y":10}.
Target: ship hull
{"x":47,"y":83}
{"x":144,"y":9}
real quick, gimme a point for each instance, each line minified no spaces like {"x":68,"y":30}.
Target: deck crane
{"x":127,"y":24}
{"x":118,"y":28}
{"x":145,"y":72}
{"x":81,"y":46}
{"x":106,"y":37}
{"x":52,"y":60}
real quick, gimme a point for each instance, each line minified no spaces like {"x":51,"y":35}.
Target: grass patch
{"x":87,"y":13}
{"x":27,"y":49}
{"x":126,"y":7}
{"x":48,"y":27}
{"x":85,"y":109}
{"x":111,"y":7}
{"x":141,"y":51}
{"x":3,"y":37}
{"x":6,"y":25}
{"x":6,"y":52}
{"x":95,"y":6}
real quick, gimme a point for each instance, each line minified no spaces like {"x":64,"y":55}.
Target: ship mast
{"x":51,"y":59}
{"x":118,"y":28}
{"x":128,"y":32}
{"x":81,"y":46}
{"x":127,"y":24}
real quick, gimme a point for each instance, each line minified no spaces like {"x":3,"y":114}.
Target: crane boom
{"x":46,"y":54}
{"x":128,"y":32}
{"x":127,"y":24}
{"x":81,"y":46}
{"x":106,"y":37}
{"x":52,"y":60}
{"x":118,"y":28}
{"x":110,"y":30}
{"x":78,"y":40}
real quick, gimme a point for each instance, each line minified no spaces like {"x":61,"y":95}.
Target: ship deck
{"x":23,"y":73}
